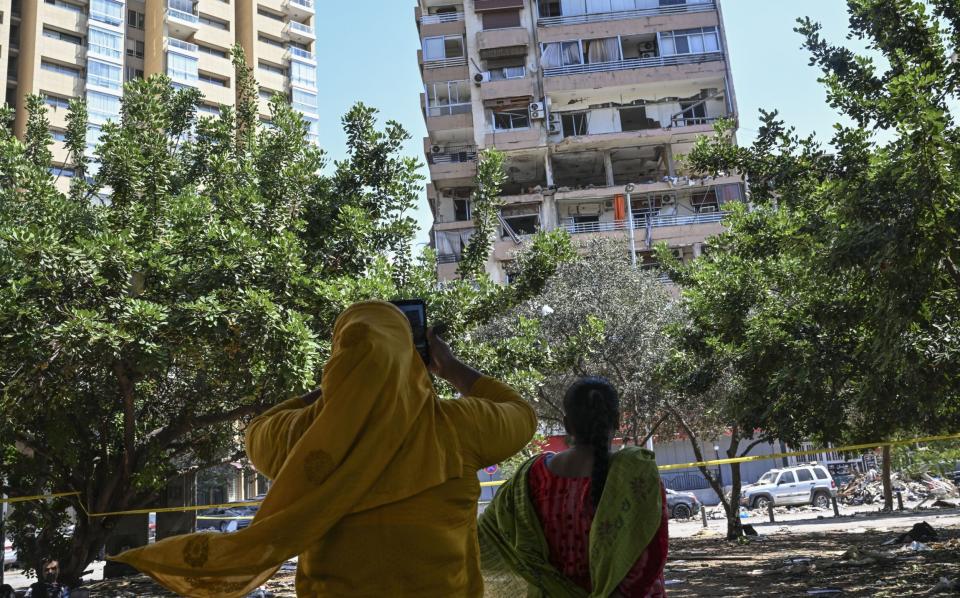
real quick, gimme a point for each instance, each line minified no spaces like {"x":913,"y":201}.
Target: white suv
{"x":800,"y":485}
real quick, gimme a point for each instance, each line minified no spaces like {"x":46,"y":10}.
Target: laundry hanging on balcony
{"x":619,"y":208}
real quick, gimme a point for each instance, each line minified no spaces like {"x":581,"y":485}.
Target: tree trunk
{"x":730,"y":507}
{"x":887,"y":482}
{"x":88,"y":540}
{"x":734,"y":523}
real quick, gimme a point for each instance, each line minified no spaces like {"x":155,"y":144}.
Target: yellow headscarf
{"x":379,"y":438}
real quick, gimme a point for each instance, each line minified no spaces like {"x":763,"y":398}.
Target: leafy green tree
{"x":136,"y":331}
{"x":486,"y":212}
{"x":834,"y":301}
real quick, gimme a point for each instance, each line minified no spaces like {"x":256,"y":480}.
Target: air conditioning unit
{"x":677,"y":253}
{"x":667,"y":200}
{"x":608,"y":205}
{"x":481,"y":78}
{"x":436,"y":149}
{"x":647,"y":46}
{"x":708,"y":209}
{"x":537,"y":111}
{"x":648,"y":54}
{"x":554,"y":126}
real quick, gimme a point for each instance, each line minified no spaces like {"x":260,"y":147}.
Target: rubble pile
{"x":867,"y":488}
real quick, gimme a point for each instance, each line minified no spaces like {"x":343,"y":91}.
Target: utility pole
{"x":633,"y":241}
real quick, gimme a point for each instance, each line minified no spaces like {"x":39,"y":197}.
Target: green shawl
{"x":627,"y":519}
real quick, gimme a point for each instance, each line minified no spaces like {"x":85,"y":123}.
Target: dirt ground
{"x":799,"y":563}
{"x":807,"y":557}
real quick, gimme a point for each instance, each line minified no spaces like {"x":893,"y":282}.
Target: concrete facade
{"x":590,"y":100}
{"x":66,"y":49}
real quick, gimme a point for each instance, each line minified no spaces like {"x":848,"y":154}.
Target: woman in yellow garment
{"x":375,"y":484}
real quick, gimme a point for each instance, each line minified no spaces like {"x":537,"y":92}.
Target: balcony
{"x":443,"y":63}
{"x":301,"y":54}
{"x":181,"y":18}
{"x":299,"y":9}
{"x":625,"y":14}
{"x":455,"y":165}
{"x":182,"y":46}
{"x":446,"y":17}
{"x":299,"y":32}
{"x":634,"y":71}
{"x":641,"y":222}
{"x":514,"y":37}
{"x":632,"y":63}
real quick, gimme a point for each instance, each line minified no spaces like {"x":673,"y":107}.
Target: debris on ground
{"x":921,"y":532}
{"x":867,"y":488}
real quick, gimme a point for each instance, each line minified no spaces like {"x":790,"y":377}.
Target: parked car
{"x":682,"y":505}
{"x":9,"y":554}
{"x":226,"y":519}
{"x":799,"y":485}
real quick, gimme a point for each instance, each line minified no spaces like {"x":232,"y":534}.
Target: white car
{"x":800,"y":485}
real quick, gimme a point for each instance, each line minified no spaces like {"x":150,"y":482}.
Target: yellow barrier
{"x":36,"y":497}
{"x":249,"y":503}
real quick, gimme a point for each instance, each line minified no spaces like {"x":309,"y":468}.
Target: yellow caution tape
{"x":36,"y":497}
{"x":838,"y":449}
{"x":214,"y":518}
{"x":250,"y":503}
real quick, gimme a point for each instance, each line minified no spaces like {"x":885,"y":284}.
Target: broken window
{"x":506,"y":120}
{"x":705,"y":202}
{"x":451,"y":243}
{"x":574,"y":124}
{"x":522,"y":219}
{"x":635,"y":119}
{"x":694,"y":113}
{"x":462,"y":209}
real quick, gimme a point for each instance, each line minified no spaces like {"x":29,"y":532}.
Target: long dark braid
{"x":592,"y":408}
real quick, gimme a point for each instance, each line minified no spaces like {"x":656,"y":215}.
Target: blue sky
{"x":367,"y":52}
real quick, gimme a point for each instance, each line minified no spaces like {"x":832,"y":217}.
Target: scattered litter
{"x":818,"y":591}
{"x":861,"y":556}
{"x":921,"y":532}
{"x":918,"y":547}
{"x":673,"y":582}
{"x":706,"y":531}
{"x":867,"y":488}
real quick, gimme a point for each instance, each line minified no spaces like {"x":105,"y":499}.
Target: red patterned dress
{"x":565,"y":511}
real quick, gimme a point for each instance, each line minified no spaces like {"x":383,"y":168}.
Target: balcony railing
{"x":640,"y":222}
{"x":624,"y":14}
{"x":453,"y":155}
{"x":181,"y":45}
{"x":447,"y":258}
{"x":189,"y":17}
{"x":301,"y":53}
{"x":300,"y":28}
{"x":449,"y":110}
{"x":445,"y":62}
{"x":304,"y":3}
{"x":632,"y":63}
{"x":447,"y":17}
{"x":694,"y":121}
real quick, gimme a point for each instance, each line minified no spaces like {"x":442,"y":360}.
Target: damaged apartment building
{"x":589,"y":100}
